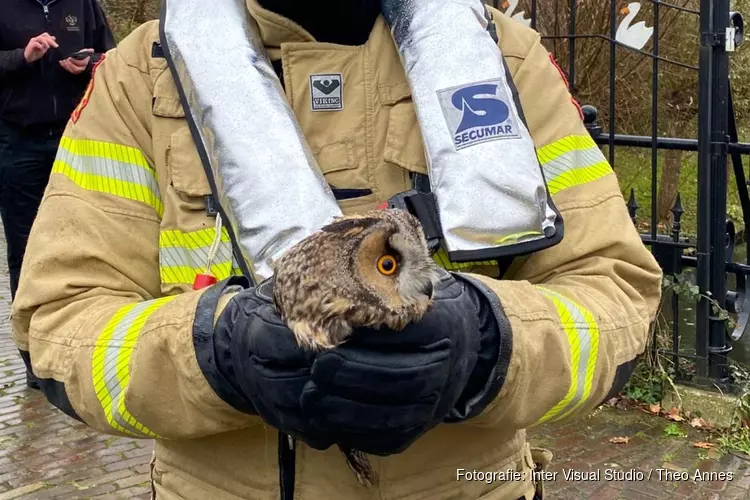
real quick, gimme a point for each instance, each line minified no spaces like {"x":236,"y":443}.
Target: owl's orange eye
{"x":387,"y":264}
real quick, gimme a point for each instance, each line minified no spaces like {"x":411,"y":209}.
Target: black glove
{"x":382,"y":390}
{"x":259,"y":368}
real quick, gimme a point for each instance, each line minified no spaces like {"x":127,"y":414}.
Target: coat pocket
{"x":172,"y":484}
{"x":404,"y":145}
{"x":347,"y":175}
{"x":186,"y":171}
{"x":339,"y":165}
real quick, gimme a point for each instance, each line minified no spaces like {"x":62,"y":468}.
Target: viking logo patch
{"x":326,"y":92}
{"x":478,"y":112}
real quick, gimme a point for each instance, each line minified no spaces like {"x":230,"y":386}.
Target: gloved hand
{"x":382,"y":390}
{"x":259,"y":356}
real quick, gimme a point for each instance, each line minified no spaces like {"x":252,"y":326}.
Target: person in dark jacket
{"x":40,"y":86}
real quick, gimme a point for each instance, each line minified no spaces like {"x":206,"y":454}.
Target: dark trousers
{"x":26,"y":158}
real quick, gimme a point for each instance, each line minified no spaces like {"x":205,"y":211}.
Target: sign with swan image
{"x":637,"y":35}
{"x":510,"y":7}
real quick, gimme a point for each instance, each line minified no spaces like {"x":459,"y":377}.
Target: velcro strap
{"x":420,"y":182}
{"x":211,"y":206}
{"x":424,"y":207}
{"x":157,"y":51}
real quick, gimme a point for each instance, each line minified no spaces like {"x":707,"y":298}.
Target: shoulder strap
{"x":421,"y":203}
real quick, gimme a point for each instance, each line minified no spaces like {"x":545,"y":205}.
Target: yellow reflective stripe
{"x":111,"y":364}
{"x":183,"y":255}
{"x":572,"y":161}
{"x":109,"y":168}
{"x":583,"y":337}
{"x":563,"y":146}
{"x":516,"y":237}
{"x":441,"y":259}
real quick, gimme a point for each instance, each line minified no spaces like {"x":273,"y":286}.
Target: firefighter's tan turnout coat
{"x":106,"y":306}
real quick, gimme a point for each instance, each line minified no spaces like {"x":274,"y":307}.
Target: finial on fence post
{"x":590,"y":114}
{"x":677,"y":212}
{"x":632,"y":205}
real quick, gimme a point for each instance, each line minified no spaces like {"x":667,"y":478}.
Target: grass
{"x":674,"y":430}
{"x":633,"y":167}
{"x":646,"y":389}
{"x":738,"y":440}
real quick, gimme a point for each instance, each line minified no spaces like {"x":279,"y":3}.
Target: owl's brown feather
{"x":330,"y":283}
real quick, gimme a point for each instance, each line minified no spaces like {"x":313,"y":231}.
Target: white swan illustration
{"x":634,"y":36}
{"x":509,"y":7}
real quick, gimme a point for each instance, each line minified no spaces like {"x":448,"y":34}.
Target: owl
{"x":368,"y":270}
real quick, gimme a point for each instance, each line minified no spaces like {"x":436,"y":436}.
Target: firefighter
{"x":120,"y":339}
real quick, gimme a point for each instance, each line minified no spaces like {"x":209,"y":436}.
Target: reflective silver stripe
{"x":109,"y":168}
{"x":571,"y":160}
{"x":183,"y":255}
{"x":110,"y":364}
{"x":582,"y":333}
{"x":110,"y":367}
{"x":193,"y":257}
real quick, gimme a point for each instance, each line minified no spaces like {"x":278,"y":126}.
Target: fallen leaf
{"x":700,"y":423}
{"x":705,"y":446}
{"x":619,"y":440}
{"x":613,"y":401}
{"x":654,"y":408}
{"x":674,"y":414}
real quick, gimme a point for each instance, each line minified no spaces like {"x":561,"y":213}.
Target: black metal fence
{"x":721,"y":314}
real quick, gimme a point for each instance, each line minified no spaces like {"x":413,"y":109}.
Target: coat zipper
{"x":45,"y":9}
{"x":287,"y":473}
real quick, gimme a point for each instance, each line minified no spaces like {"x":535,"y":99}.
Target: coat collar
{"x":276,"y":29}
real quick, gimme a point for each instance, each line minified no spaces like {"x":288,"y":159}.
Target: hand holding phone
{"x":80,"y":55}
{"x":77,"y":62}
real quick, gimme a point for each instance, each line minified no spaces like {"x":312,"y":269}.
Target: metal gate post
{"x":712,"y":179}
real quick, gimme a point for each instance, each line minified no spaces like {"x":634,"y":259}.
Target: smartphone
{"x":80,"y":55}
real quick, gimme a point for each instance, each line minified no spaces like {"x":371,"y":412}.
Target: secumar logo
{"x":478,"y":112}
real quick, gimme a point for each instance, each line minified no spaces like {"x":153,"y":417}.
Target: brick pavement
{"x":583,"y":445}
{"x":46,"y":455}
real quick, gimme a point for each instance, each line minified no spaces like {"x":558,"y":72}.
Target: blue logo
{"x":478,"y":113}
{"x":480,"y":110}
